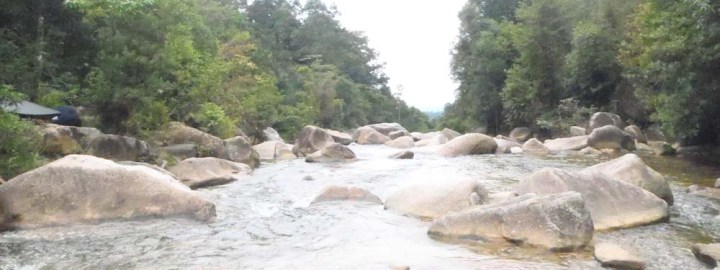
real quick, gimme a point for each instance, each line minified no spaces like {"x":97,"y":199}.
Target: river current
{"x":265,"y":221}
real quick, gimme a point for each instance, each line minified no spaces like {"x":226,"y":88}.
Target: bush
{"x":20,"y":140}
{"x":212,"y":119}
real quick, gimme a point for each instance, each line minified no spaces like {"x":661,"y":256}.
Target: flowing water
{"x":265,"y":222}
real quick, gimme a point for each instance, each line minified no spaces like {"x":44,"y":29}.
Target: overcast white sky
{"x":414,"y":39}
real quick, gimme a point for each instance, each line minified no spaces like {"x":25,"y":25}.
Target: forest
{"x":548,"y":64}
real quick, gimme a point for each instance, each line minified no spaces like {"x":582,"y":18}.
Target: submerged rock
{"x":403,"y":155}
{"x":206,"y":172}
{"x":82,"y":189}
{"x":434,"y":200}
{"x":346,"y":193}
{"x":557,"y":222}
{"x":310,"y":140}
{"x":333,"y":153}
{"x":614,"y":256}
{"x":469,"y":144}
{"x":709,"y":254}
{"x":612,"y":203}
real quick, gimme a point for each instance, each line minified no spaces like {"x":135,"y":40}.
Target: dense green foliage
{"x":541,"y":63}
{"x":218,"y":65}
{"x":19,"y":139}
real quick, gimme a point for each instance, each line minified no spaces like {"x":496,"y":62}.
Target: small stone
{"x":708,"y":254}
{"x":400,"y":267}
{"x":308,"y":178}
{"x":404,"y":155}
{"x":612,"y":255}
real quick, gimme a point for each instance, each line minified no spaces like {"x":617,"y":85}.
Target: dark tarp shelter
{"x":27,"y":109}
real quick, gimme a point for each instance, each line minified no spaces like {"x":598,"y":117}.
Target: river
{"x":265,"y":222}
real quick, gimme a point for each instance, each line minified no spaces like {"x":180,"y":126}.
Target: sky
{"x":414,"y":40}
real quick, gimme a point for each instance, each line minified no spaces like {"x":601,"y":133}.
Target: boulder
{"x":239,"y":149}
{"x":402,"y":143}
{"x":662,"y":148}
{"x":119,"y":148}
{"x":533,"y":146}
{"x":516,"y":150}
{"x":614,"y":256}
{"x":387,"y":128}
{"x":430,"y":201}
{"x":450,"y":134}
{"x":180,"y":151}
{"x":333,"y":153}
{"x":87,"y":189}
{"x":653,"y":133}
{"x":631,"y":169}
{"x":501,"y":197}
{"x":558,"y":222}
{"x":208,"y":145}
{"x":521,"y":134}
{"x":147,"y":165}
{"x":403,"y":155}
{"x":340,"y":137}
{"x":274,"y":150}
{"x":272,"y":135}
{"x":438,"y":139}
{"x":398,"y":134}
{"x":310,"y":140}
{"x":612,"y":203}
{"x":368,"y":135}
{"x":709,"y":254}
{"x":610,"y":137}
{"x":713,"y":193}
{"x":424,"y":136}
{"x":66,"y":140}
{"x":717,"y":183}
{"x":636,"y":133}
{"x":469,"y":144}
{"x":577,"y":131}
{"x":346,"y":193}
{"x":567,"y":144}
{"x":206,"y":172}
{"x":601,"y":119}
{"x":505,"y":146}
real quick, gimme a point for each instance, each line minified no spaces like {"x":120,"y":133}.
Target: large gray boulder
{"x":601,"y":119}
{"x":340,"y":137}
{"x":614,"y":256}
{"x":631,"y":169}
{"x":272,"y":135}
{"x":432,"y":140}
{"x":708,"y":254}
{"x":239,"y":149}
{"x":66,"y":140}
{"x":87,"y":189}
{"x":398,"y":134}
{"x":179,"y":151}
{"x":405,"y":142}
{"x":505,"y":146}
{"x":119,"y":148}
{"x":274,"y":150}
{"x":333,"y":153}
{"x":612,"y":203}
{"x":636,"y":133}
{"x":610,"y":137}
{"x":436,"y":199}
{"x":206,"y":172}
{"x":368,"y":135}
{"x":469,"y":144}
{"x":346,"y":193}
{"x":310,"y":140}
{"x":535,"y":147}
{"x":521,"y":134}
{"x":208,"y":145}
{"x":450,"y":134}
{"x":558,"y":222}
{"x":567,"y":144}
{"x":387,"y":128}
{"x":577,"y":131}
